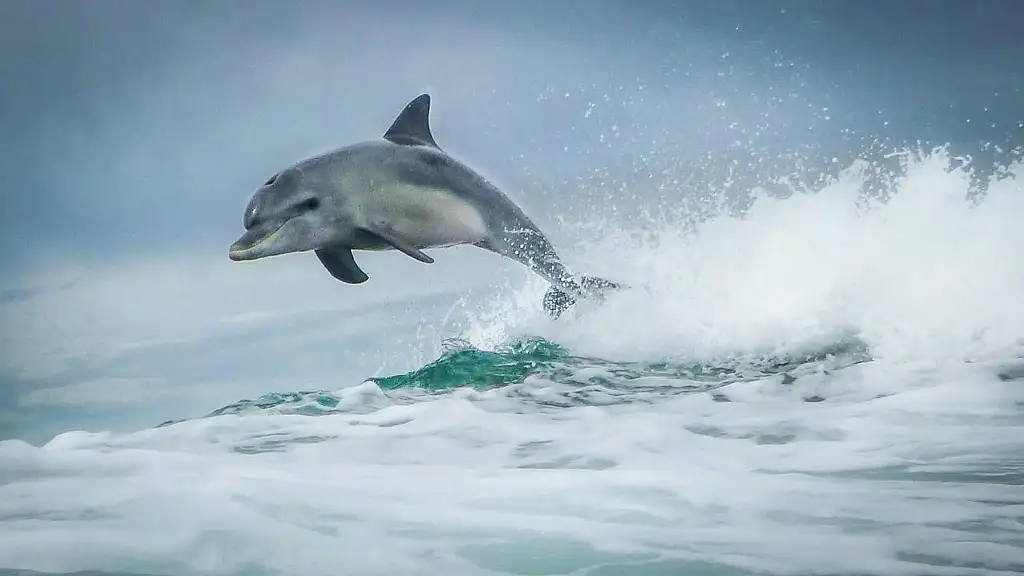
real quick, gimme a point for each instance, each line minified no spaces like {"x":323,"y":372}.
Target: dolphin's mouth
{"x":247,"y":247}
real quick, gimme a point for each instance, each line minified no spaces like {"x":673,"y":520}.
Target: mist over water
{"x":922,"y":269}
{"x":826,"y":382}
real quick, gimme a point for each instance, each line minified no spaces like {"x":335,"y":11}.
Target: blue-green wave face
{"x":552,"y":376}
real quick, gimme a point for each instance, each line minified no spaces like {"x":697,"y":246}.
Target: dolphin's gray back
{"x":511,"y":233}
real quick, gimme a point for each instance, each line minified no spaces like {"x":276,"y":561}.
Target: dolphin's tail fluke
{"x":557,"y":301}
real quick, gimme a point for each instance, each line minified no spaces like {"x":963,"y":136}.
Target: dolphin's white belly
{"x":428,"y":217}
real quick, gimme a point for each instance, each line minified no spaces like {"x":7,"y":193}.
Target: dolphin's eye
{"x":272,"y":180}
{"x":310,"y":204}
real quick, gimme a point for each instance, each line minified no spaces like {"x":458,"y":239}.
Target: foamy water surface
{"x":906,"y":462}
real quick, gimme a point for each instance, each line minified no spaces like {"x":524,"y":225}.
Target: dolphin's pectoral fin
{"x":412,"y":127}
{"x":342,"y":265}
{"x":383,"y":229}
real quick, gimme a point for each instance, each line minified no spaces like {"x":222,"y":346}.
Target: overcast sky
{"x":135,"y":132}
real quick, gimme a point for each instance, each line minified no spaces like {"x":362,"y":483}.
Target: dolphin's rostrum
{"x":399,"y":193}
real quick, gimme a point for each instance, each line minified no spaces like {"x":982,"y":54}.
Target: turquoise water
{"x":464,"y":366}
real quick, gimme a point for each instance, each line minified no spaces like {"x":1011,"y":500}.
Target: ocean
{"x":827,"y":381}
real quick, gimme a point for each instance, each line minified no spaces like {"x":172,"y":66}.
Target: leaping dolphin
{"x":399,"y":193}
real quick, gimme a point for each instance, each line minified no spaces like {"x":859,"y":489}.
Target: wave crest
{"x":920,"y":262}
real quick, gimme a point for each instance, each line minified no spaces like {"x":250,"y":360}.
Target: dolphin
{"x":402,"y":192}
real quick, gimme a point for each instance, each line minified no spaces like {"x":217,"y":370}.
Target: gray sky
{"x":135,"y":132}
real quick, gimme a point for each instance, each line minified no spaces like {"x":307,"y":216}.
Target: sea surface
{"x":830,"y":381}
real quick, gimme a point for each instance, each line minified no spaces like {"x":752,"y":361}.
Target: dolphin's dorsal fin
{"x":412,"y":127}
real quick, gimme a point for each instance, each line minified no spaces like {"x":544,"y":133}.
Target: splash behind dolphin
{"x":399,"y":193}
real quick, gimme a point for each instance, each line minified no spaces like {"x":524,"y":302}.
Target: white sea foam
{"x":910,"y":464}
{"x":926,"y":275}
